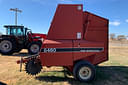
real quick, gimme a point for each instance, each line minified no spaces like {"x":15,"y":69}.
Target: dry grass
{"x":112,"y":72}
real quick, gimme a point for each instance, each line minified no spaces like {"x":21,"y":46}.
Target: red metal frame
{"x":44,"y":36}
{"x":75,"y":35}
{"x":67,"y":22}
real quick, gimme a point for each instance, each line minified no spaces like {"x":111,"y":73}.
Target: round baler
{"x":77,"y":40}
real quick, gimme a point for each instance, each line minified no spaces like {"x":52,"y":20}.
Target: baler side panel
{"x":88,"y":55}
{"x":67,"y":22}
{"x":97,"y":28}
{"x":97,"y":31}
{"x":61,"y":58}
{"x":85,"y":24}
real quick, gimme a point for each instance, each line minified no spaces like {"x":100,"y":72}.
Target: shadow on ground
{"x":1,"y":83}
{"x":105,"y":75}
{"x":23,"y":54}
{"x":20,"y":54}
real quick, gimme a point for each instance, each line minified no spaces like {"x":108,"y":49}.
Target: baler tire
{"x":7,"y":42}
{"x":84,"y":71}
{"x":32,"y":67}
{"x":34,"y":43}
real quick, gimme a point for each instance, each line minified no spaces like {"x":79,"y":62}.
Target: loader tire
{"x":84,"y":71}
{"x":34,"y":47}
{"x":7,"y":47}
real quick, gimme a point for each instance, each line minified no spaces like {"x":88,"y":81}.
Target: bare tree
{"x":112,"y":36}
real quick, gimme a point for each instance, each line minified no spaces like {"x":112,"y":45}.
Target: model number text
{"x":51,"y":50}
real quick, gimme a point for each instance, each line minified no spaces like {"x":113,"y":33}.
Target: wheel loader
{"x":18,"y":38}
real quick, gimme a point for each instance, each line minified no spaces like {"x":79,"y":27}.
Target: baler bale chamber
{"x":76,"y":40}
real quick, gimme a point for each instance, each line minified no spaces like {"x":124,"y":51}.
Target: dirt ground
{"x":112,"y":72}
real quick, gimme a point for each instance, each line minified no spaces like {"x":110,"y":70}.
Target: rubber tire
{"x":29,"y":50}
{"x":78,"y":66}
{"x":11,"y":51}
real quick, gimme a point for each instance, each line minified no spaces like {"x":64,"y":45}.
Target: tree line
{"x":118,"y":37}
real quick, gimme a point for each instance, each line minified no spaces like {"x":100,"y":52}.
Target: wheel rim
{"x":35,"y":48}
{"x":85,"y":73}
{"x":5,"y":46}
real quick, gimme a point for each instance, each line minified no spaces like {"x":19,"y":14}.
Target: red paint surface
{"x":38,"y":34}
{"x":68,"y":20}
{"x":57,"y":59}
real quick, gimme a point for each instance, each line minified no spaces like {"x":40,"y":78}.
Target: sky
{"x":37,"y":14}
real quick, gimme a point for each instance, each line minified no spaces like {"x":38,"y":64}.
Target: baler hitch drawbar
{"x":24,"y":59}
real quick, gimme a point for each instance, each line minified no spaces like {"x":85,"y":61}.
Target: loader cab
{"x":20,"y":32}
{"x":15,"y":30}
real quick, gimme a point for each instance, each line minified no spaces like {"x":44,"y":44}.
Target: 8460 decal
{"x":53,"y":50}
{"x":49,"y":50}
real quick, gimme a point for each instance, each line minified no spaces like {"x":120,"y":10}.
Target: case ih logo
{"x":53,"y":50}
